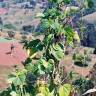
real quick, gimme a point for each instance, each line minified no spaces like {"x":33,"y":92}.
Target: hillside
{"x":19,"y":16}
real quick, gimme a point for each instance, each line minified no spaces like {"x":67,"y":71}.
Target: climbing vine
{"x":42,"y":74}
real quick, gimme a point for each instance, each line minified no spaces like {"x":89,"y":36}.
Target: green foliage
{"x":17,"y":78}
{"x":82,"y":84}
{"x":10,"y":26}
{"x":89,"y":4}
{"x":82,"y":60}
{"x":51,"y":13}
{"x":42,"y":76}
{"x":56,"y":51}
{"x":65,"y":90}
{"x":69,"y":34}
{"x":60,"y":1}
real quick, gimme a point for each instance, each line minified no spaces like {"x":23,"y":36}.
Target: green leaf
{"x":56,"y":51}
{"x":17,"y":78}
{"x":44,"y":91}
{"x":58,"y":55}
{"x":44,"y":63}
{"x":51,"y":13}
{"x":50,"y":66}
{"x":69,"y":34}
{"x":33,"y":47}
{"x":65,"y":90}
{"x":40,"y":71}
{"x":57,"y":47}
{"x":48,"y":39}
{"x":33,"y":43}
{"x":51,"y":61}
{"x":56,"y":26}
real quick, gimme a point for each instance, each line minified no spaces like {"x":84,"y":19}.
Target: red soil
{"x":6,"y":58}
{"x":3,"y":11}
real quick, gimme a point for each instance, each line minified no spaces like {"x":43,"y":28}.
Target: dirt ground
{"x":4,"y":72}
{"x":83,"y":71}
{"x":7,"y":60}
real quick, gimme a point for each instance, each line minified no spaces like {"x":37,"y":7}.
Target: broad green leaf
{"x":45,"y":24}
{"x":33,"y":43}
{"x":56,"y":26}
{"x":56,"y":51}
{"x":48,"y":39}
{"x":50,"y":66}
{"x":40,"y":70}
{"x":10,"y":80}
{"x":69,"y":35}
{"x":58,"y":54}
{"x":65,"y":90}
{"x":31,"y":52}
{"x":17,"y":78}
{"x":44,"y":90}
{"x":57,"y":47}
{"x":51,"y":61}
{"x":44,"y":63}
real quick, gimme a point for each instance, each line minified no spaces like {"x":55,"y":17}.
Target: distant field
{"x":20,"y":17}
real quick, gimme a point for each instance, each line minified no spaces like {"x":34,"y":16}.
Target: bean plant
{"x":42,"y":74}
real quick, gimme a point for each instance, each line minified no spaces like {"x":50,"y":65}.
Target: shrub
{"x":10,"y":26}
{"x":28,"y":28}
{"x":82,"y":60}
{"x":11,"y":34}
